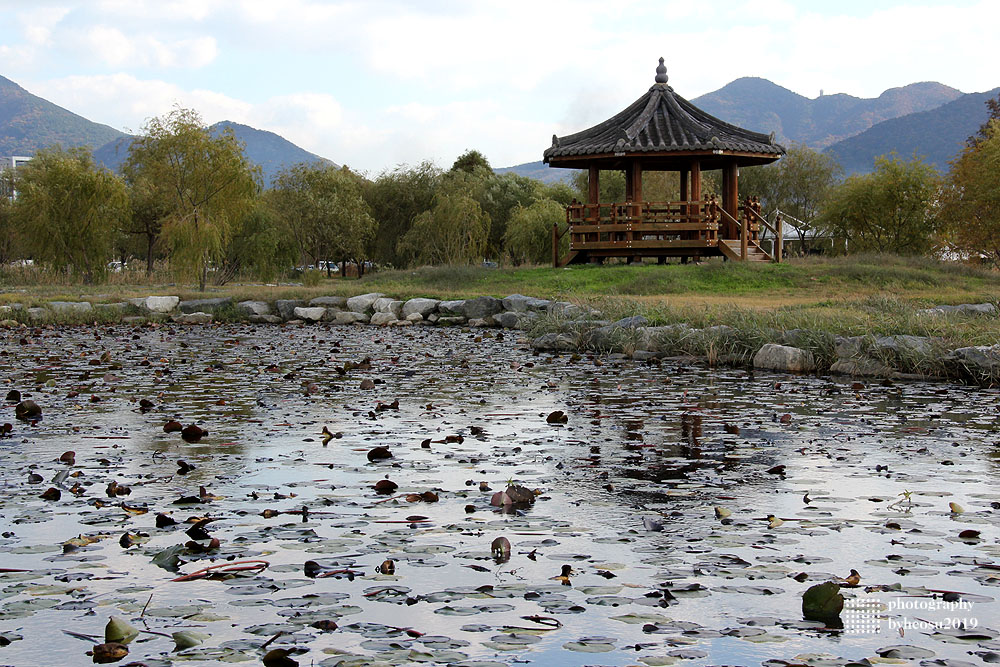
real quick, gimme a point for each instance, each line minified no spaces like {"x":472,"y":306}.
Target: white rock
{"x":314,"y":314}
{"x":349,"y":317}
{"x":452,"y":308}
{"x":258,"y":308}
{"x":161,"y":304}
{"x":784,"y":358}
{"x":337,"y":302}
{"x":193,"y":318}
{"x":381,"y":319}
{"x":381,"y":305}
{"x":364,"y":303}
{"x":71,"y":306}
{"x":414,"y":317}
{"x":422,"y":306}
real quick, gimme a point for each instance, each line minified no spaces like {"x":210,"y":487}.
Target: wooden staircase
{"x":568,"y":259}
{"x":731,"y":248}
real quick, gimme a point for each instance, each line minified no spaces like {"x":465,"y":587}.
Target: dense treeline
{"x":192,"y":202}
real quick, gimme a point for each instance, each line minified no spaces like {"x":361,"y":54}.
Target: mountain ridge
{"x":266,"y":149}
{"x":840,"y":123}
{"x":936,"y":135}
{"x":29,"y":123}
{"x":764,"y":106}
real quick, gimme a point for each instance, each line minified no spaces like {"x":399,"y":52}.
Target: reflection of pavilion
{"x":661,"y":131}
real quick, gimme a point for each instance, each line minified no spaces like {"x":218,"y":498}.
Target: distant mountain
{"x":268,"y":150}
{"x":29,"y":123}
{"x":936,"y":135}
{"x":760,"y":105}
{"x":539,"y":171}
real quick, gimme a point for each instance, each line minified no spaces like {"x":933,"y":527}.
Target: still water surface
{"x":627,"y":491}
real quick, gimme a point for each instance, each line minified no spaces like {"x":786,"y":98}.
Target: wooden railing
{"x":636,"y":225}
{"x":752,"y":211}
{"x":645,"y":227}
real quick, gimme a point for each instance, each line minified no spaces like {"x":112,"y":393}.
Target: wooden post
{"x":730,"y":194}
{"x":744,"y":235}
{"x":637,"y":182}
{"x":780,"y":238}
{"x":594,"y":185}
{"x":695,"y":208}
{"x":685,"y":193}
{"x":695,"y":186}
{"x":555,"y":245}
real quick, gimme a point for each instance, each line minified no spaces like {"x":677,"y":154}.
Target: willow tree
{"x":891,"y":210}
{"x":971,"y":201}
{"x":8,"y":230}
{"x":528,"y":238}
{"x":325,"y":212}
{"x":455,"y":231}
{"x":67,"y":210}
{"x":204,"y":183}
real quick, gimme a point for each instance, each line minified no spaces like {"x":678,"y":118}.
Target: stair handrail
{"x":776,"y":230}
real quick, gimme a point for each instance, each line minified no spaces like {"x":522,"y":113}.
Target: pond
{"x":653,"y":490}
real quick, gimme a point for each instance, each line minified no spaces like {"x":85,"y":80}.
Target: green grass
{"x":809,"y":280}
{"x":855,"y":295}
{"x":798,"y":279}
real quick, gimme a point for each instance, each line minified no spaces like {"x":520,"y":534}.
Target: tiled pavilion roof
{"x":663,"y":122}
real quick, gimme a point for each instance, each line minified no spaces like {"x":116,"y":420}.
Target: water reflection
{"x":628,"y":489}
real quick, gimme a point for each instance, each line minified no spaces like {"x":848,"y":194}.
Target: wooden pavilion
{"x":662,"y":131}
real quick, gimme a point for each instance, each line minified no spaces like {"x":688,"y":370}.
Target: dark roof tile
{"x":662,"y":121}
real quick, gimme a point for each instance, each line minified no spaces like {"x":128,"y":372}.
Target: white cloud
{"x":160,"y":10}
{"x":116,"y":49}
{"x":377,"y":82}
{"x":38,"y":23}
{"x":126,"y":102}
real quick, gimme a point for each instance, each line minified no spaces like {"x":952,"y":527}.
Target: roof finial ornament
{"x":661,"y":72}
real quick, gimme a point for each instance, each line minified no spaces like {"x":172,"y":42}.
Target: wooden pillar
{"x":629,"y":183}
{"x":594,"y":185}
{"x":637,"y":182}
{"x":730,"y":192}
{"x":555,"y":245}
{"x":695,"y":208}
{"x":695,"y":187}
{"x":685,"y":194}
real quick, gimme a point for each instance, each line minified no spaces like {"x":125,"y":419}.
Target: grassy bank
{"x":855,"y":295}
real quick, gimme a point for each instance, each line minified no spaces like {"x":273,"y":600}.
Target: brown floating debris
{"x":172,"y":426}
{"x":385,"y":486}
{"x":222,"y":570}
{"x":500,"y":548}
{"x":27,"y":411}
{"x":193,"y":433}
{"x":557,"y":417}
{"x":379,"y":453}
{"x":108,"y":652}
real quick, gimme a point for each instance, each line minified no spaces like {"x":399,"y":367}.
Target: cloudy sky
{"x":376,"y":83}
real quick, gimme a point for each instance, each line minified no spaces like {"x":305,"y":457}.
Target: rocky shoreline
{"x":560,"y":326}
